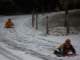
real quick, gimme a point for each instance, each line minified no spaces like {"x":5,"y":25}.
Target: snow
{"x":24,"y":42}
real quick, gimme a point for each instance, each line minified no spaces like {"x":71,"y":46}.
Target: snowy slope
{"x":23,"y":42}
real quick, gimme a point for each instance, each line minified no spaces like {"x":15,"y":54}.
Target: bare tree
{"x":66,"y":21}
{"x":65,"y":6}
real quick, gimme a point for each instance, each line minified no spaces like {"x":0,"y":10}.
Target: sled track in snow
{"x":8,"y":54}
{"x":44,"y":57}
{"x":27,"y":51}
{"x":15,"y":45}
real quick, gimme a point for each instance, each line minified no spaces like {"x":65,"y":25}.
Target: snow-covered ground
{"x":25,"y":43}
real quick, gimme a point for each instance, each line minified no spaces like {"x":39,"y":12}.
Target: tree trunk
{"x":36,"y":19}
{"x":33,"y":18}
{"x":66,"y":22}
{"x":47,"y":25}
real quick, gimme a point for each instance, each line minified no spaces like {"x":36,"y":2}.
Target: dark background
{"x":27,"y":6}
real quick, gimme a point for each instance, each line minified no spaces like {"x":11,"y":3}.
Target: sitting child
{"x":8,"y":24}
{"x":66,"y":49}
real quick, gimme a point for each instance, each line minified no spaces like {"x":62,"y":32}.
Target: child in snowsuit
{"x":8,"y":24}
{"x":64,"y":49}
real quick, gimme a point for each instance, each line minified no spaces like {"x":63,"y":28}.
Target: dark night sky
{"x":28,"y":5}
{"x":36,"y":3}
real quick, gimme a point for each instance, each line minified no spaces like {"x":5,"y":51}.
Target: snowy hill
{"x":23,"y":42}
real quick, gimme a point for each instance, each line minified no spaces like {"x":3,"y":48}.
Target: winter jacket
{"x":65,"y":50}
{"x":8,"y":24}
